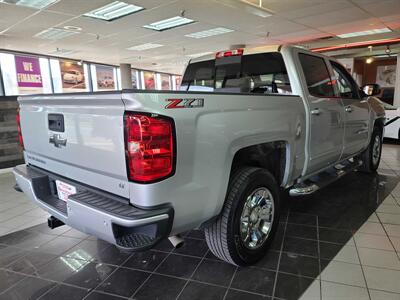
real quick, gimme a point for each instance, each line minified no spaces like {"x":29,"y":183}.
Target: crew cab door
{"x":356,"y":111}
{"x":326,"y":112}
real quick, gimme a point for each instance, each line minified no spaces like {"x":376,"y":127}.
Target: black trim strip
{"x":391,"y":121}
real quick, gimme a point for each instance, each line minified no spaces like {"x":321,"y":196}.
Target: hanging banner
{"x":28,"y":72}
{"x":72,"y":76}
{"x":105,"y":78}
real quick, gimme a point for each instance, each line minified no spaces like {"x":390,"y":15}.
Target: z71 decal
{"x":185,"y":103}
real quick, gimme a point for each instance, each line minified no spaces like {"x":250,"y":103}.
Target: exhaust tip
{"x":176,"y":241}
{"x":53,"y":222}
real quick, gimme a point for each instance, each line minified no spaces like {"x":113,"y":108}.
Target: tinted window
{"x":263,"y":73}
{"x":318,"y":80}
{"x":344,"y":82}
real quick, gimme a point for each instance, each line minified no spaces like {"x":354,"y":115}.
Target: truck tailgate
{"x":93,"y":132}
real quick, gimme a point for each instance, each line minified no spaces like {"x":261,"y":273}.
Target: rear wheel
{"x":244,"y":230}
{"x":371,"y":157}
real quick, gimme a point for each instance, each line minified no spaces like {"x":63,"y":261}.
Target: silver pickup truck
{"x":134,"y":167}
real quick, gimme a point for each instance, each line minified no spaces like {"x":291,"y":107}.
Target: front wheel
{"x":243,"y":232}
{"x":371,"y":157}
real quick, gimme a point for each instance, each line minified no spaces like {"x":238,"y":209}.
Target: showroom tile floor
{"x":341,"y":243}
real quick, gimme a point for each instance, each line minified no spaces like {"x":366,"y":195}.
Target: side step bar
{"x":324,"y":178}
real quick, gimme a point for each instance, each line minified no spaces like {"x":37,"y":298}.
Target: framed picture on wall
{"x":386,"y":75}
{"x":72,"y":76}
{"x":105,"y":77}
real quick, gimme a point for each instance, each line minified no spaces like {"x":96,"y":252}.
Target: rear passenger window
{"x":263,"y":73}
{"x":317,"y":76}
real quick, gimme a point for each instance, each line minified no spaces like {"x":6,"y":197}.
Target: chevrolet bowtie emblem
{"x":57,"y":140}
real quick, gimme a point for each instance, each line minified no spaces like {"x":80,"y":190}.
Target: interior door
{"x":326,"y":114}
{"x":356,"y":111}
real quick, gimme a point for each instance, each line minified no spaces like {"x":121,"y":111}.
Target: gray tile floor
{"x":341,"y":243}
{"x":16,"y":211}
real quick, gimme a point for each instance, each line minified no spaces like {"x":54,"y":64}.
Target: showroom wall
{"x":369,"y":72}
{"x":22,"y":74}
{"x":10,"y":150}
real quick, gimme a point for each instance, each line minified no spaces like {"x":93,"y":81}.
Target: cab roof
{"x":246,"y":51}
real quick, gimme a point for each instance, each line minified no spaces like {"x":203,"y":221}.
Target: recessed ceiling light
{"x":114,"y":10}
{"x":362,"y":33}
{"x":38,"y":4}
{"x":54,"y":34}
{"x":73,"y":28}
{"x":143,"y":47}
{"x":169,"y":23}
{"x":208,"y":33}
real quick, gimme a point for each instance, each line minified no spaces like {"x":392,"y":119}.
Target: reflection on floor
{"x":341,"y":243}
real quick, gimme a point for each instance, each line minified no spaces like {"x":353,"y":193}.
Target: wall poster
{"x":178,"y":82}
{"x":72,"y":76}
{"x":135,"y":79}
{"x":165,"y":82}
{"x":105,"y":77}
{"x":29,"y":76}
{"x":149,"y":80}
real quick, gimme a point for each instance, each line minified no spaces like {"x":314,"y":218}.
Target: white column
{"x":126,"y":76}
{"x":396,"y":99}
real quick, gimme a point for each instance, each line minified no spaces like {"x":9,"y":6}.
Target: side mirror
{"x":372,"y":89}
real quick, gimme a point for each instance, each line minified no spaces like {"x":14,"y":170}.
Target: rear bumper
{"x":106,"y":216}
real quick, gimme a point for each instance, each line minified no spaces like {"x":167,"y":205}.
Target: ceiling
{"x":307,"y":22}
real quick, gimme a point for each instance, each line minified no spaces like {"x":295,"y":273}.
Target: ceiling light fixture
{"x":62,"y":52}
{"x":54,"y":34}
{"x":143,"y":47}
{"x":73,"y":28}
{"x":257,"y":8}
{"x":114,"y":10}
{"x":369,"y":60}
{"x":169,"y":23}
{"x":362,"y":33}
{"x":208,"y":33}
{"x":38,"y":4}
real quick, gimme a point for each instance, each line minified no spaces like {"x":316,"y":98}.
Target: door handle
{"x":315,"y":112}
{"x":348,"y":109}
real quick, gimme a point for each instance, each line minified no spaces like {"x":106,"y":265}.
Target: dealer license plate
{"x":64,"y":190}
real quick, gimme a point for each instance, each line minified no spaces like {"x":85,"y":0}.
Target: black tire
{"x":223,"y":236}
{"x":371,"y":164}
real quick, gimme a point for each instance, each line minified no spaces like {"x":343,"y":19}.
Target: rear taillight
{"x":149,"y":147}
{"x":18,"y":118}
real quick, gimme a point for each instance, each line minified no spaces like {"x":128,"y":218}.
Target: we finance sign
{"x":28,"y":72}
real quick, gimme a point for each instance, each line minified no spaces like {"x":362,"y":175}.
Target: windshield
{"x":263,"y":73}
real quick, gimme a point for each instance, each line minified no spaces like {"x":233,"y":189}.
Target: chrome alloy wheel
{"x":376,"y":150}
{"x":257,"y":218}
